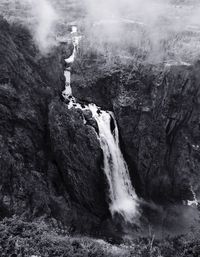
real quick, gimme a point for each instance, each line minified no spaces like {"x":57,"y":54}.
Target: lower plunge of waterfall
{"x":122,"y":196}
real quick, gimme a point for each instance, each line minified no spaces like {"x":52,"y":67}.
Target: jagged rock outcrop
{"x":78,"y":155}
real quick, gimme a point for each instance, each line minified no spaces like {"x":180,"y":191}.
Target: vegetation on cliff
{"x":24,"y":239}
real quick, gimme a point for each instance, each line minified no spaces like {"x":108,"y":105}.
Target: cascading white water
{"x":122,"y":195}
{"x":123,"y":199}
{"x":194,"y":202}
{"x":67,"y":73}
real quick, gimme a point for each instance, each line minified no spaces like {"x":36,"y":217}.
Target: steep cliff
{"x":50,"y":163}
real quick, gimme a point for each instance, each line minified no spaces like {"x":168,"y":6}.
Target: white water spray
{"x":123,"y":199}
{"x":194,"y":202}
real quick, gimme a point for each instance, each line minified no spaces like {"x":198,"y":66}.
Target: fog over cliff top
{"x":164,"y":29}
{"x":161,"y":29}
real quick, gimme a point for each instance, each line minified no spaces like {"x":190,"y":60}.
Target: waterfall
{"x":122,"y":195}
{"x":123,"y":199}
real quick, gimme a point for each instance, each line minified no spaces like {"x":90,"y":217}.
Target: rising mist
{"x":164,"y":30}
{"x":45,"y":20}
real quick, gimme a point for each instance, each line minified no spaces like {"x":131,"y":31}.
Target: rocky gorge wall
{"x":46,"y":169}
{"x":51,"y":162}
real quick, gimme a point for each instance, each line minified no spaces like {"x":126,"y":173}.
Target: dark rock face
{"x":79,"y":157}
{"x":157,"y":110}
{"x":24,"y":93}
{"x":50,"y":163}
{"x":103,"y":89}
{"x":158,"y":143}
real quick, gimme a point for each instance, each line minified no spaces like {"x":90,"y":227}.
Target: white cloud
{"x":45,"y":18}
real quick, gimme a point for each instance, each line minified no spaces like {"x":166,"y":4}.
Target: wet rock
{"x":90,"y":120}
